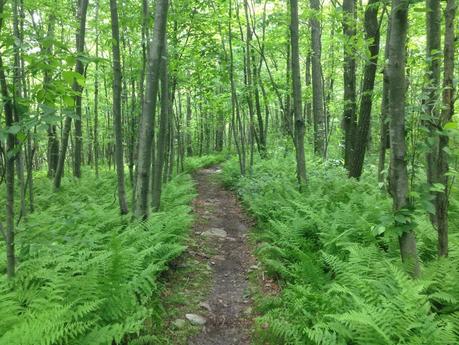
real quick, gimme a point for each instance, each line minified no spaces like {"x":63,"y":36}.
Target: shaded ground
{"x":222,"y":225}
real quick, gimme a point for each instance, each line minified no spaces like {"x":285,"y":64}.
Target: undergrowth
{"x":85,"y":274}
{"x":194,"y":163}
{"x":335,"y":254}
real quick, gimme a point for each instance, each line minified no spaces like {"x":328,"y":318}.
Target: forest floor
{"x":212,"y":278}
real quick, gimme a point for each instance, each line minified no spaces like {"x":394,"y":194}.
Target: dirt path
{"x":221,"y":223}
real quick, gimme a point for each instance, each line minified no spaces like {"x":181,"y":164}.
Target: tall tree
{"x":164,"y":125}
{"x":349,"y":79}
{"x":78,"y":88}
{"x":447,"y":111}
{"x":432,"y":112}
{"x":117,"y":124}
{"x":320,"y":123}
{"x":362,"y":126}
{"x":79,"y":68}
{"x":9,"y":164}
{"x":148,"y":112}
{"x":399,"y":184}
{"x":384,"y":141}
{"x":296,"y":86}
{"x":53,"y":141}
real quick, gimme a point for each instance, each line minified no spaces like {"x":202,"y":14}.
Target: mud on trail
{"x":223,"y":226}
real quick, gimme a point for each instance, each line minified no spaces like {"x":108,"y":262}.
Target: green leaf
{"x":437,"y":187}
{"x":14,"y":129}
{"x":68,"y":101}
{"x":450,"y":125}
{"x":70,"y":76}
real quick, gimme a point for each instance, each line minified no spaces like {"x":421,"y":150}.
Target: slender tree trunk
{"x":296,"y":86}
{"x":432,"y":113}
{"x":117,"y":108}
{"x":362,"y":130}
{"x":79,"y":68}
{"x":287,"y":120}
{"x":17,"y":106}
{"x":399,"y":183}
{"x":9,"y":164}
{"x":149,"y":108}
{"x":441,"y":204}
{"x":162,"y":137}
{"x":320,"y":135}
{"x":384,"y":141}
{"x":188,"y":137}
{"x":96,"y":97}
{"x":349,"y":80}
{"x":235,"y":110}
{"x":308,"y":105}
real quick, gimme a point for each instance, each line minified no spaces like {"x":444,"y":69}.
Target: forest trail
{"x":222,"y":224}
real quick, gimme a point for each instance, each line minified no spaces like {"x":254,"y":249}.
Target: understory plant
{"x":333,"y":249}
{"x":87,"y":275}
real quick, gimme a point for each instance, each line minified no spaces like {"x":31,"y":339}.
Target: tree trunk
{"x":441,"y":204}
{"x":320,"y":135}
{"x":188,"y":137}
{"x":149,"y":109}
{"x":349,"y":80}
{"x":79,"y":68}
{"x":384,"y":141}
{"x":399,"y":183}
{"x":362,"y":130}
{"x":18,"y":108}
{"x":163,"y":129}
{"x":235,"y":110}
{"x":96,"y":97}
{"x":9,"y":164}
{"x":296,"y":85}
{"x":117,"y":108}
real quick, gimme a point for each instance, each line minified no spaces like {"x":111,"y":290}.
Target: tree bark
{"x":79,"y":68}
{"x":349,"y":80}
{"x":164,"y":124}
{"x":320,"y":134}
{"x":296,"y":85}
{"x":96,"y":97}
{"x":117,"y":124}
{"x":148,"y":111}
{"x":362,"y":129}
{"x":441,"y":204}
{"x":433,"y":29}
{"x":384,"y":141}
{"x":399,"y":173}
{"x":188,"y":136}
{"x":9,"y":164}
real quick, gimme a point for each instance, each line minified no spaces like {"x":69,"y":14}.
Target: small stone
{"x":215,"y":232}
{"x":196,"y":319}
{"x":248,"y":311}
{"x":179,"y":323}
{"x":205,"y":305}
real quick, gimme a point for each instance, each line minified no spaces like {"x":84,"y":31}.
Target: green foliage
{"x":334,"y":250}
{"x":195,"y":162}
{"x":85,"y":274}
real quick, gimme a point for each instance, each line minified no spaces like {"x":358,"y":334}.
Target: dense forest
{"x":229,"y":172}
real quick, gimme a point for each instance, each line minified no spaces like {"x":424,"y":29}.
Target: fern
{"x":87,"y":276}
{"x":338,"y":262}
